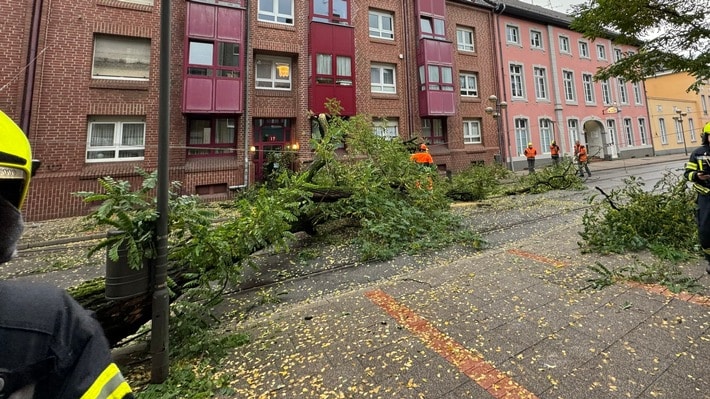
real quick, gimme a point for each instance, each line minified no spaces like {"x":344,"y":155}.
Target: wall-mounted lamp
{"x":252,"y":149}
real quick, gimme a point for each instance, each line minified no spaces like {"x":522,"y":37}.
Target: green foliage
{"x":671,"y":35}
{"x":560,"y":177}
{"x":660,"y":220}
{"x":476,"y":182}
{"x":660,"y":272}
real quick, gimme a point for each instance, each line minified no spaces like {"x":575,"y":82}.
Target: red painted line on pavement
{"x":696,"y":299}
{"x":468,"y":361}
{"x":536,"y":257}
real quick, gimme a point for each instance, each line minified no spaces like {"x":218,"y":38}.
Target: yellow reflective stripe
{"x":109,"y":385}
{"x":701,"y":189}
{"x":691,"y":166}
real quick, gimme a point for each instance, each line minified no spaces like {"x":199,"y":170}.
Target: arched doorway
{"x":600,"y":143}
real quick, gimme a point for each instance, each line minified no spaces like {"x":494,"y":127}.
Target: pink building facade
{"x":546,"y":80}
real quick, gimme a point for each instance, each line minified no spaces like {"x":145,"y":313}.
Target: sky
{"x":556,"y":5}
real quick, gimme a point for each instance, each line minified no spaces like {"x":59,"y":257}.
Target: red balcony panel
{"x":228,"y":96}
{"x":435,"y":51}
{"x":436,"y":103}
{"x":230,"y":24}
{"x":201,"y":20}
{"x":198,"y":95}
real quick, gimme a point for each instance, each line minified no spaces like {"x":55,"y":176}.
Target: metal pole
{"x":161,"y":303}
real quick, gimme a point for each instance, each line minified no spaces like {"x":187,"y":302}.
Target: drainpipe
{"x":247,"y":63}
{"x":405,"y":66}
{"x":31,"y":66}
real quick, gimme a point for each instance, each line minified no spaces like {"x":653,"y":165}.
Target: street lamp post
{"x":496,"y":111}
{"x":679,"y":118}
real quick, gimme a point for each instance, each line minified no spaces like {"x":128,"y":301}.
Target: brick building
{"x":81,"y":79}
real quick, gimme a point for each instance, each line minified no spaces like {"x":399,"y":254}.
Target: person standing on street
{"x":555,"y":153}
{"x":530,"y":154}
{"x":583,"y":162}
{"x":697,"y":171}
{"x":423,"y":158}
{"x":50,"y":346}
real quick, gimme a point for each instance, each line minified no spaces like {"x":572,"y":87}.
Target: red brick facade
{"x":65,"y":96}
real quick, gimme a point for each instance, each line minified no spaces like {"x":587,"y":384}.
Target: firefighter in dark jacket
{"x":50,"y":346}
{"x":697,"y":170}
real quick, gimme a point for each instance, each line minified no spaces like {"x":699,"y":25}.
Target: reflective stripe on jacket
{"x":699,"y":162}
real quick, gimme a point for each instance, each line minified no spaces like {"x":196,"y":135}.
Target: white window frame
{"x":642,"y":131}
{"x":472,"y":131}
{"x":379,"y":31}
{"x":469,"y":84}
{"x":517,"y":81}
{"x":601,"y":52}
{"x":583,"y":49}
{"x":275,"y":15}
{"x":623,"y":93}
{"x":117,"y":143}
{"x":540,"y":77}
{"x":512,"y":34}
{"x":568,"y":86}
{"x":564,"y":45}
{"x":662,"y":130}
{"x":545,"y":125}
{"x":381,"y":72}
{"x":465,"y":39}
{"x":617,"y":54}
{"x":588,"y":84}
{"x":536,"y":39}
{"x":522,"y":134}
{"x":573,"y":130}
{"x":629,"y":130}
{"x":387,"y":128}
{"x":703,"y":104}
{"x":606,"y":92}
{"x":274,"y":81}
{"x":125,"y":50}
{"x":691,"y":129}
{"x":638,"y":98}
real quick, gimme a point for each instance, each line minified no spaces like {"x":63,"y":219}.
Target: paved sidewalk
{"x":510,"y":322}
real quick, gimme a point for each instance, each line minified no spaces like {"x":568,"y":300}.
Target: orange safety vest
{"x":582,"y":154}
{"x":554,"y":150}
{"x":422,"y":157}
{"x":529,"y":152}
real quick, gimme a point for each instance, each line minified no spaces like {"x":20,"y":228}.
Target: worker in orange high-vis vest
{"x":583,"y":162}
{"x":555,"y":153}
{"x":530,"y":154}
{"x":424,"y":159}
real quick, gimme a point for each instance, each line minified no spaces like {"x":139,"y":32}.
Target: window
{"x":638,"y":99}
{"x":703,"y":104}
{"x":464,"y":39}
{"x":440,"y":78}
{"x":568,"y":84}
{"x":381,"y":25}
{"x":601,"y":52}
{"x":512,"y":34}
{"x":433,"y":131}
{"x":121,"y":57}
{"x":210,"y":136}
{"x":545,"y":134}
{"x":617,"y":54}
{"x":606,"y":92}
{"x":678,"y":131}
{"x":587,"y":82}
{"x":386,"y":128}
{"x":278,"y":11}
{"x":203,"y":61}
{"x":642,"y":131}
{"x":469,"y":84}
{"x":382,"y":79}
{"x":273,"y":73}
{"x":564,"y":45}
{"x":691,"y":129}
{"x":338,"y":74}
{"x":623,"y":94}
{"x":611,"y":128}
{"x":471,"y":131}
{"x":540,"y":76}
{"x":662,"y":130}
{"x":330,"y":11}
{"x":629,"y":132}
{"x":522,"y":134}
{"x":516,"y":81}
{"x":432,"y":28}
{"x":115,"y":139}
{"x":536,"y":40}
{"x":573,"y":129}
{"x":583,"y":50}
